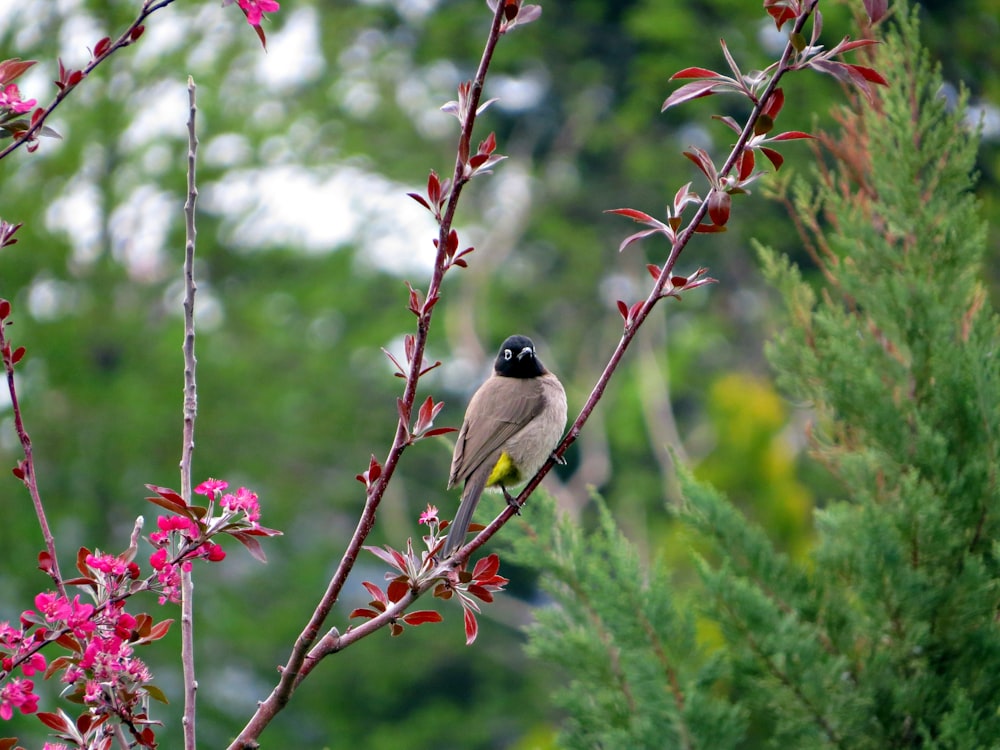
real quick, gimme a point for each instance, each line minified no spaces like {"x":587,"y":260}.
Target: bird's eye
{"x":507,"y":354}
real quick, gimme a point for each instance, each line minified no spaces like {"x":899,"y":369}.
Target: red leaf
{"x":420,"y":199}
{"x":44,"y":561}
{"x":471,"y":628}
{"x":869,"y":74}
{"x":81,"y":561}
{"x":136,"y":32}
{"x":252,"y":545}
{"x":745,"y":164}
{"x":159,"y":630}
{"x":421,"y":616}
{"x":704,"y":162}
{"x":623,"y":309}
{"x":634,"y":310}
{"x":779,"y":12}
{"x":709,"y":229}
{"x":654,"y":270}
{"x":397,"y":590}
{"x":53,"y":721}
{"x":261,"y":36}
{"x":876,"y":9}
{"x":433,"y":188}
{"x":16,"y":356}
{"x":402,"y":372}
{"x":440,"y":431}
{"x":638,"y":216}
{"x":102,"y":46}
{"x":374,"y":469}
{"x":719,"y":204}
{"x":480,"y":593}
{"x":774,"y":104}
{"x":791,"y":135}
{"x":487,"y":567}
{"x":695,"y":73}
{"x":489,"y":145}
{"x":363,"y":612}
{"x":414,"y":305}
{"x":389,"y":557}
{"x":11,"y":69}
{"x":167,"y":494}
{"x":4,"y":309}
{"x":376,"y":593}
{"x":678,"y":281}
{"x":688,"y":92}
{"x":847,"y":46}
{"x":773,"y":156}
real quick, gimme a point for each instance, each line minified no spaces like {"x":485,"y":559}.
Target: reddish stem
{"x":27,"y":466}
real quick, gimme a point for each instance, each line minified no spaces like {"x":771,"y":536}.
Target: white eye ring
{"x":507,"y":354}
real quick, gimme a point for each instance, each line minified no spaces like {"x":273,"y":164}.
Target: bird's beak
{"x":525,"y":352}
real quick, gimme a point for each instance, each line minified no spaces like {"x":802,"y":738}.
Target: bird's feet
{"x":558,"y":459}
{"x":511,"y":500}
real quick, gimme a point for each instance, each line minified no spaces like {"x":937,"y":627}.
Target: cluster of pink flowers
{"x":101,"y":670}
{"x":18,"y":693}
{"x":10,"y":100}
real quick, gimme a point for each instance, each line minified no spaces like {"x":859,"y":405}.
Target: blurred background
{"x":305,"y":240}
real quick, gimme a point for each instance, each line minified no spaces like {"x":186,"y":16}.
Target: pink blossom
{"x":35,"y":663}
{"x":212,"y":552}
{"x":256,"y":8}
{"x":244,"y":500}
{"x":158,"y":559}
{"x":92,"y":692}
{"x":178,"y":523}
{"x":429,"y":516}
{"x":10,"y":98}
{"x":169,"y":579}
{"x":110,"y":564}
{"x":10,"y":637}
{"x":17,"y":694}
{"x":58,"y":610}
{"x":211,"y":486}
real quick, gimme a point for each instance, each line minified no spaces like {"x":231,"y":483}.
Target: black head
{"x":516,"y":359}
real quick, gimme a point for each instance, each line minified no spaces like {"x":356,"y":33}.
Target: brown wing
{"x":497,"y":411}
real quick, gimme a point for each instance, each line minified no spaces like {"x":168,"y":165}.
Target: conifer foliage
{"x":887,"y":635}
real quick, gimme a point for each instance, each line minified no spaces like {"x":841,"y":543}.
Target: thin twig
{"x":27,"y":466}
{"x":190,"y":413}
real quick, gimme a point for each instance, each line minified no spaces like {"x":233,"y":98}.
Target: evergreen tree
{"x":885,"y":635}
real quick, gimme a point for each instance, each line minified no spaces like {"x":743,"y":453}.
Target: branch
{"x":190,"y":413}
{"x":635,"y":320}
{"x":303,"y":657}
{"x":25,"y":470}
{"x":69,"y":79}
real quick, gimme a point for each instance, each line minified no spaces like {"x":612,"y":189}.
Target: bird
{"x":512,"y":424}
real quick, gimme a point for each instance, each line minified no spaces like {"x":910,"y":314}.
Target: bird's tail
{"x":474,"y":487}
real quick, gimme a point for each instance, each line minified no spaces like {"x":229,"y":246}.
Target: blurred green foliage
{"x":294,"y":392}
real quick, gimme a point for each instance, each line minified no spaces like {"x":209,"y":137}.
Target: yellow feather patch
{"x":504,"y":472}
